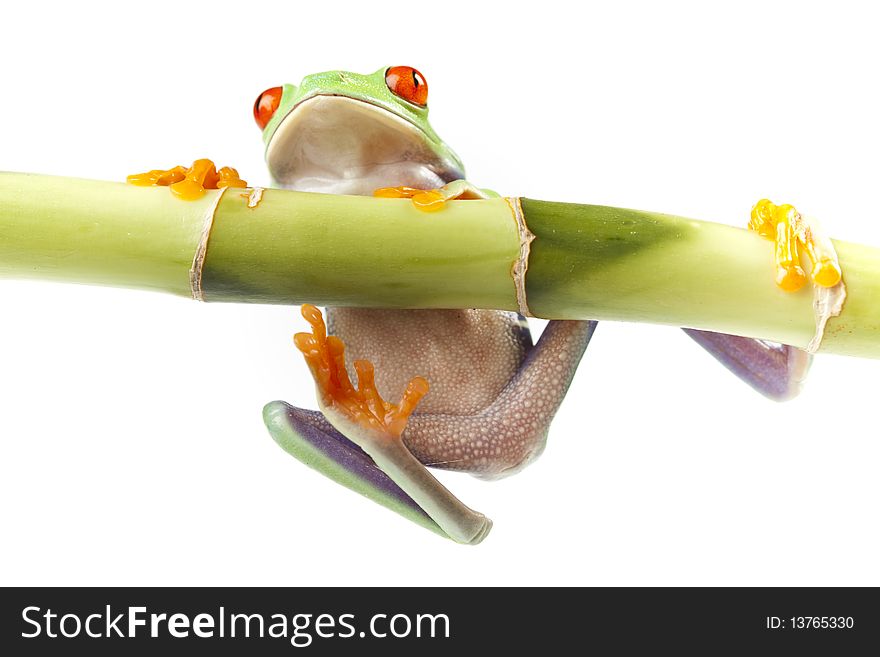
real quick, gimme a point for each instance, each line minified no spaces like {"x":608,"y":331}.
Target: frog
{"x":486,"y":392}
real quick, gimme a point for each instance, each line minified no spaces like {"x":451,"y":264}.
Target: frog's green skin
{"x":493,"y":394}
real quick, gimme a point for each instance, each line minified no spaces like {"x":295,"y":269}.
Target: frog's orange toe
{"x":189,"y":183}
{"x":431,"y":200}
{"x":228,"y":177}
{"x":790,"y":278}
{"x":187,"y":189}
{"x":396,"y":192}
{"x":364,"y":406}
{"x":427,"y":200}
{"x":793,"y":234}
{"x":826,"y":273}
{"x":416,"y":389}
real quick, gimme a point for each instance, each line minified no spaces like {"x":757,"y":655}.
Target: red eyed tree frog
{"x":493,"y":393}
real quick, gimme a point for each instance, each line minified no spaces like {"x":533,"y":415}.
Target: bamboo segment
{"x":611,"y":263}
{"x":857,"y":331}
{"x":631,"y":265}
{"x":99,"y":233}
{"x":361,"y":251}
{"x":586,"y":261}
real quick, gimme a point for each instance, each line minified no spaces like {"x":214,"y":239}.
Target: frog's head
{"x":346,"y":133}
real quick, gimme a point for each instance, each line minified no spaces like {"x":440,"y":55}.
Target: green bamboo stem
{"x":585,"y":261}
{"x":99,"y":233}
{"x":361,"y":251}
{"x":616,"y":264}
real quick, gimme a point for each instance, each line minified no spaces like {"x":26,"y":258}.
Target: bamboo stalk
{"x":362,"y":251}
{"x":100,"y":233}
{"x":585,"y":261}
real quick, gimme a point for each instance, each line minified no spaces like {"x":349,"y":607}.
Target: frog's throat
{"x":340,"y":145}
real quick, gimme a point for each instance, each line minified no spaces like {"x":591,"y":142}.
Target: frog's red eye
{"x":408,"y":83}
{"x":267,"y":103}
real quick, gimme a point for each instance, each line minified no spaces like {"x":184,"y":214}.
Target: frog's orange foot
{"x":792,"y":233}
{"x":428,"y":200}
{"x":362,"y":406}
{"x":431,"y":200}
{"x":190,"y":183}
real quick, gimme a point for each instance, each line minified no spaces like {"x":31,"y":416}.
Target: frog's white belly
{"x":338,"y":145}
{"x":467,"y":356}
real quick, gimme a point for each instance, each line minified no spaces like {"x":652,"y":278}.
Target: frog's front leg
{"x":189,"y":183}
{"x":432,"y":200}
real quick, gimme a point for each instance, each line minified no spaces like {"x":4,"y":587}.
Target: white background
{"x":661,"y":467}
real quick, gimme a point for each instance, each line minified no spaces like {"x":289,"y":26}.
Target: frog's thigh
{"x":775,"y":370}
{"x":511,"y":431}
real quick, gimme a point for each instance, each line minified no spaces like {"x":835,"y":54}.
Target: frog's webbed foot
{"x":375,"y":426}
{"x":792,"y":232}
{"x":431,"y":200}
{"x":778,"y":370}
{"x":190,"y":183}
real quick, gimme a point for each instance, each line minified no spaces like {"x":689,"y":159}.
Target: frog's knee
{"x":511,"y":432}
{"x":483,"y":445}
{"x":515,"y":455}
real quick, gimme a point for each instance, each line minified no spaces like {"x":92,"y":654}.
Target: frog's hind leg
{"x":500,"y":439}
{"x":512,"y":431}
{"x":309,"y":437}
{"x":375,"y":425}
{"x":775,"y":370}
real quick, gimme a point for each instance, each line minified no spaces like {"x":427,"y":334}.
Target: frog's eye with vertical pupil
{"x":265,"y":106}
{"x":408,"y":83}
